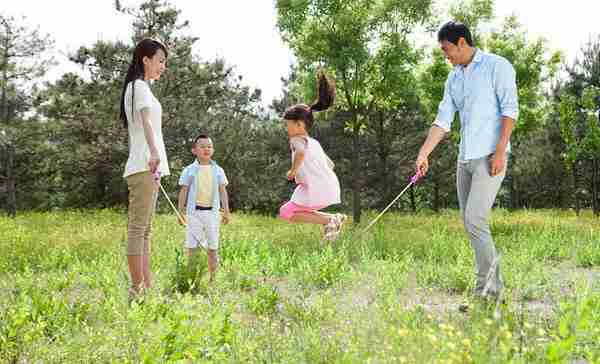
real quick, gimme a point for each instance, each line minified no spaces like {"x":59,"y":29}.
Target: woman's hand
{"x":154,"y":162}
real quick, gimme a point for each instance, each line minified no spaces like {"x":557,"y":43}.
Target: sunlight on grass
{"x":281,"y":295}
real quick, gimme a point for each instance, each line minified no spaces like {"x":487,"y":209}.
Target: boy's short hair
{"x":452,"y":31}
{"x":201,"y":136}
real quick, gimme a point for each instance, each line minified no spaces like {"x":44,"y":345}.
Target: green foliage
{"x":388,"y":296}
{"x":188,"y":275}
{"x":576,"y":330}
{"x":85,"y":146}
{"x":535,"y":68}
{"x":264,"y":301}
{"x":323,"y":269}
{"x":23,"y":58}
{"x":71,"y":152}
{"x":473,"y":13}
{"x":366,"y":45}
{"x":572,"y":110}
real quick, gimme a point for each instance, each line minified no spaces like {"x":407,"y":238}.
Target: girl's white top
{"x":139,"y":152}
{"x":318,"y":186}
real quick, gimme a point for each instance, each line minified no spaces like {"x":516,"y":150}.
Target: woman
{"x":141,"y":115}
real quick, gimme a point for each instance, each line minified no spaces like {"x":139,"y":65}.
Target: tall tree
{"x":432,"y":79}
{"x":196,"y":96}
{"x":474,"y":14}
{"x":580,"y":130}
{"x":366,"y":44}
{"x":23,"y":58}
{"x":535,"y":67}
{"x":576,"y":104}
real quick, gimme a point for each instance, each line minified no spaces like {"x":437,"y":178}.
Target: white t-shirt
{"x":139,"y":152}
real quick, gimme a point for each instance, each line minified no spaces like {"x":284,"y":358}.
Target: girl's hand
{"x":291,"y":174}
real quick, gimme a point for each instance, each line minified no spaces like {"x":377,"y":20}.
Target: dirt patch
{"x":363,"y":296}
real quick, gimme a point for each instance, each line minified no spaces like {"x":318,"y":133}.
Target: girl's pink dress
{"x":318,"y":186}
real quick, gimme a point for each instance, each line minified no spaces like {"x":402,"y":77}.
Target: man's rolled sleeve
{"x":446,"y":110}
{"x":505,"y":82}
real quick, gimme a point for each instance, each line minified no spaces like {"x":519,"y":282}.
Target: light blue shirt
{"x":188,"y":178}
{"x":482,"y":93}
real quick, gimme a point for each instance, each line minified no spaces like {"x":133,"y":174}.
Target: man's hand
{"x":291,"y":174}
{"x":182,"y":220}
{"x":422,"y":165}
{"x":497,"y":163}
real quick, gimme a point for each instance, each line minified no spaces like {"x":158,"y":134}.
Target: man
{"x":482,"y":88}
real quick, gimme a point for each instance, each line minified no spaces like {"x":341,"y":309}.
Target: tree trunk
{"x":385,"y":191}
{"x":576,"y":189}
{"x":11,"y":203}
{"x":595,"y":206}
{"x":4,"y":100}
{"x":514,"y":192}
{"x":436,"y":196}
{"x":413,"y":200}
{"x":383,"y":154}
{"x":356,"y":209}
{"x":515,"y":203}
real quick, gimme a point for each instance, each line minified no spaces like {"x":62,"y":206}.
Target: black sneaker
{"x":486,"y":301}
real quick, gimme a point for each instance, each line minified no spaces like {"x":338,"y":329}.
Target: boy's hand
{"x":291,"y":174}
{"x":226,"y":217}
{"x":182,"y":220}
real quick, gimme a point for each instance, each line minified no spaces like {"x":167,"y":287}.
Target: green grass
{"x":282,"y":296}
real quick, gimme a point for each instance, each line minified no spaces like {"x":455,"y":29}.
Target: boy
{"x":203,"y":191}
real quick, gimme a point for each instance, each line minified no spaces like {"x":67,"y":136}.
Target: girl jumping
{"x":317,"y":185}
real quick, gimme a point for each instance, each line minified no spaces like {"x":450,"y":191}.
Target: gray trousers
{"x":477,"y":191}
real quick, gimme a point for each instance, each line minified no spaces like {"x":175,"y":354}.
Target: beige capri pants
{"x":143,"y":192}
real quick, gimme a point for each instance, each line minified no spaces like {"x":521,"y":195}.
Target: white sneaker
{"x":340,"y":219}
{"x":331,"y":231}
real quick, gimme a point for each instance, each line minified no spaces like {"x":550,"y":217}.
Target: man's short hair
{"x":452,"y":31}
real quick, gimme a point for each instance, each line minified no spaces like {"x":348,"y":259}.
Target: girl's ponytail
{"x":325,"y":93}
{"x":325,"y":98}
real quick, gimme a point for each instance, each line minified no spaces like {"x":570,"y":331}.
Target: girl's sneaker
{"x":331,"y":231}
{"x":340,"y":219}
{"x":334,"y":227}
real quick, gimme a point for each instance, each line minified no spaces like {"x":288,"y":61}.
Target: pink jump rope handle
{"x":414,"y":179}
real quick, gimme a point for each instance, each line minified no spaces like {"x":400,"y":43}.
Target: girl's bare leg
{"x":315,"y":217}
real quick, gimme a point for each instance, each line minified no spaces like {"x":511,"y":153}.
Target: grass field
{"x":281,"y":296}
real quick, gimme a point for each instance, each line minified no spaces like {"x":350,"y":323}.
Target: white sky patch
{"x":244,"y":32}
